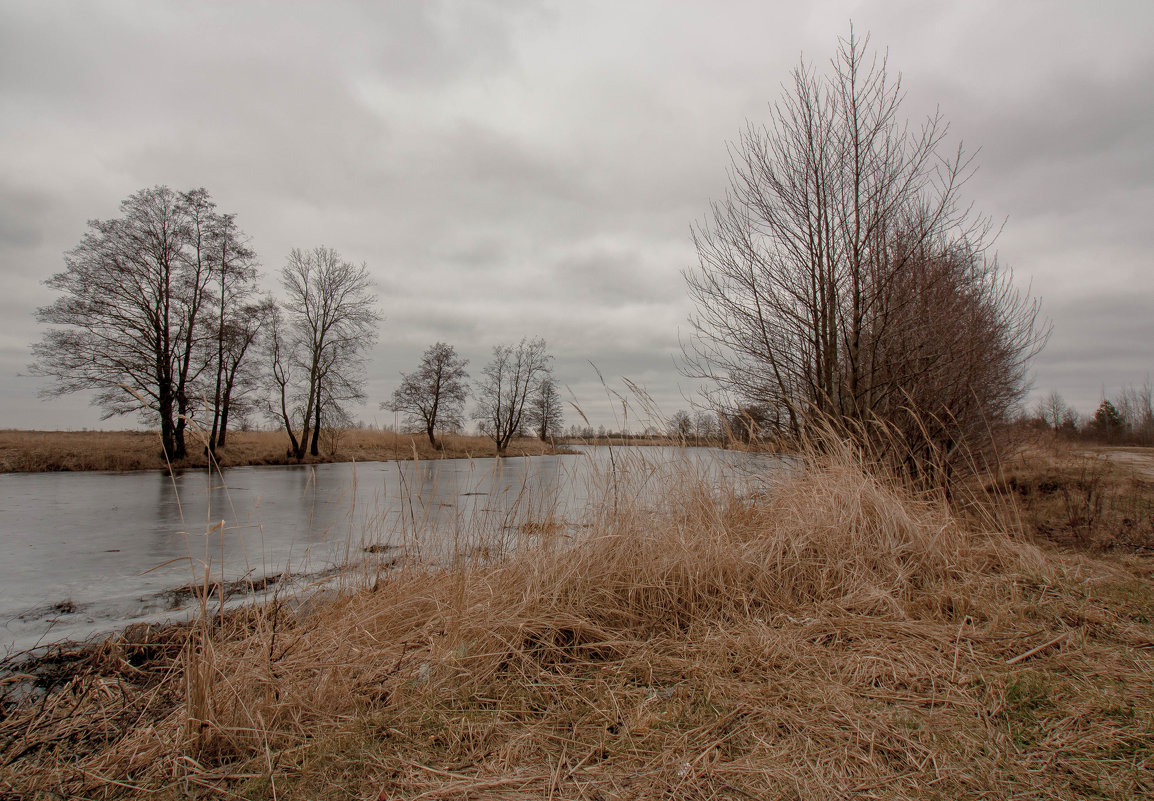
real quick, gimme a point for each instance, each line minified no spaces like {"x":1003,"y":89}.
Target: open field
{"x":836,"y":637}
{"x":1099,"y":500}
{"x":41,"y":451}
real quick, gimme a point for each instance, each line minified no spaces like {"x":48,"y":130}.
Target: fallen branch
{"x":1021,"y":657}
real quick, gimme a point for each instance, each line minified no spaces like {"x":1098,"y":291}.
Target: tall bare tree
{"x":506,"y":384}
{"x":131,"y":322}
{"x":843,"y":278}
{"x":239,"y":377}
{"x":236,"y":320}
{"x":284,"y":362}
{"x":545,"y":413}
{"x":433,"y":396}
{"x":1052,"y":409}
{"x":318,"y":344}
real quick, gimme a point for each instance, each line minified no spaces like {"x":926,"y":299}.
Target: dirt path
{"x":1141,"y":459}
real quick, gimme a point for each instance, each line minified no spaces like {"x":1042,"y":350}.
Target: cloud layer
{"x":521,"y":169}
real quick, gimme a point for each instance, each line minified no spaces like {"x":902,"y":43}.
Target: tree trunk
{"x":225,"y":400}
{"x":295,"y":448}
{"x":214,"y":435}
{"x":299,"y":448}
{"x":181,"y":422}
{"x":314,"y":448}
{"x":167,"y":434}
{"x":223,"y":427}
{"x":179,"y":450}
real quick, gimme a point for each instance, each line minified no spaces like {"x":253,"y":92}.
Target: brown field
{"x":41,"y":451}
{"x":1098,"y":500}
{"x":838,"y":636}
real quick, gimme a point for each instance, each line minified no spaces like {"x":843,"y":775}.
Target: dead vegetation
{"x":1099,"y":500}
{"x":45,"y":451}
{"x":835,"y":637}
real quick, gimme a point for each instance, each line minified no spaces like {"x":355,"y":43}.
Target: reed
{"x":820,"y":632}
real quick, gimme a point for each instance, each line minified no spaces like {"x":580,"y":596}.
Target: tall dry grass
{"x":828,"y":635}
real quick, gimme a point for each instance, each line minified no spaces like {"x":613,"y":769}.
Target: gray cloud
{"x":510,"y":170}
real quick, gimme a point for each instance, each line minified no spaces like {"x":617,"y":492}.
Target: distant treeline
{"x":1125,"y":419}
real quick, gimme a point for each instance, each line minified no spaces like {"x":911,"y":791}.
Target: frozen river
{"x":87,"y":553}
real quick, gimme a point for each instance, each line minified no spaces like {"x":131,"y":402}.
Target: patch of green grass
{"x":1027,"y":698}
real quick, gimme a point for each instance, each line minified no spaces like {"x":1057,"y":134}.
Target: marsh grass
{"x":831,"y":635}
{"x":45,"y":451}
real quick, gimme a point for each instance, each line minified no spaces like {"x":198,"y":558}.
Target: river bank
{"x":838,"y":637}
{"x":54,"y":451}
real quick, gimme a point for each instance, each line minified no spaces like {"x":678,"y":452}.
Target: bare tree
{"x":1136,"y":405}
{"x":505,"y":387}
{"x":285,"y":370}
{"x":433,"y":396}
{"x":236,"y":321}
{"x":843,"y":279}
{"x":1052,"y":410}
{"x":545,"y":414}
{"x":318,"y":343}
{"x":239,"y":379}
{"x":194,"y":284}
{"x":131,"y":322}
{"x":704,"y":426}
{"x":681,"y":425}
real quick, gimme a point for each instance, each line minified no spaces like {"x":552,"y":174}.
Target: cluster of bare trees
{"x":516,"y":392}
{"x":1135,"y":405}
{"x":516,"y":374}
{"x":700,"y":427}
{"x":157,"y":309}
{"x":842,"y":280}
{"x":1127,"y":417}
{"x":1054,"y":413}
{"x":160,"y":313}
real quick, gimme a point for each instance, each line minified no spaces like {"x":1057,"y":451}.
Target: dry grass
{"x":835,"y":637}
{"x":41,"y":451}
{"x":1097,"y":500}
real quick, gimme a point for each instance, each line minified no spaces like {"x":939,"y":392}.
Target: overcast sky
{"x":512,"y":169}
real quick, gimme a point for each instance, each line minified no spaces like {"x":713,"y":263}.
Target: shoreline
{"x":24,"y":451}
